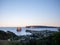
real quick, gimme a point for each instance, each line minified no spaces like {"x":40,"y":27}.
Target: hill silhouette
{"x":6,"y":35}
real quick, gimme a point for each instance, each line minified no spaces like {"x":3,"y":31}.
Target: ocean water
{"x":23,"y":32}
{"x":14,"y":30}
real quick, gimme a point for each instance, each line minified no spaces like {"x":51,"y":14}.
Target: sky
{"x":15,"y":13}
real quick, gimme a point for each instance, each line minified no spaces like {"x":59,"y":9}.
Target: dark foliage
{"x":6,"y":35}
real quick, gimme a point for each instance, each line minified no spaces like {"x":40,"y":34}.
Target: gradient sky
{"x":29,"y":12}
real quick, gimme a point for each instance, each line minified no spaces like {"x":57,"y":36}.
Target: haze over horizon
{"x":15,"y":13}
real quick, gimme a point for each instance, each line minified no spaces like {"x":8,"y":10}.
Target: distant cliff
{"x":41,"y":27}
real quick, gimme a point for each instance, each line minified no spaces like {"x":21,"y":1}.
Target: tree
{"x":59,"y":29}
{"x":56,"y":38}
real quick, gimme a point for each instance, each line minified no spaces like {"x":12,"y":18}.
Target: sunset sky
{"x":29,"y":12}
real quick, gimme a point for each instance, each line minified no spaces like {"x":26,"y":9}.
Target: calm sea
{"x":23,"y":32}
